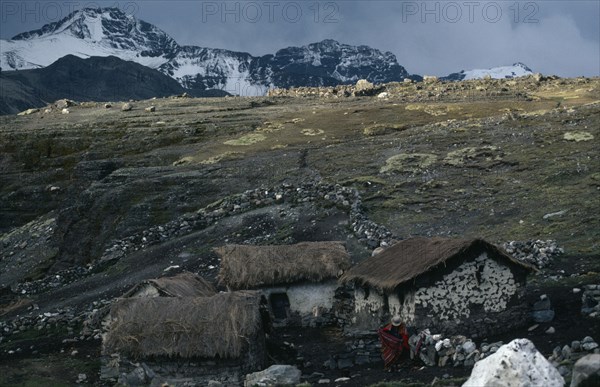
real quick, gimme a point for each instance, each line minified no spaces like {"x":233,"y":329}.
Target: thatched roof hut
{"x":182,"y":285}
{"x":410,"y":258}
{"x":248,"y":267}
{"x":206,"y":327}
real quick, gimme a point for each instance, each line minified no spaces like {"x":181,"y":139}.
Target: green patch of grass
{"x":248,"y":139}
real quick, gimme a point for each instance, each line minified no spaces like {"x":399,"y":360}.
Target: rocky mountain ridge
{"x":109,"y":31}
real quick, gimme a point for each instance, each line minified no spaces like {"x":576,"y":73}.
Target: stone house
{"x":447,"y":285}
{"x":184,"y":340}
{"x":298,"y":282}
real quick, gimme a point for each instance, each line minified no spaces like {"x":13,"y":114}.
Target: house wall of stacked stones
{"x":475,"y":297}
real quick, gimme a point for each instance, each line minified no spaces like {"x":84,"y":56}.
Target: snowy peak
{"x":339,"y":62}
{"x":89,"y":32}
{"x":106,"y":32}
{"x":503,"y":72}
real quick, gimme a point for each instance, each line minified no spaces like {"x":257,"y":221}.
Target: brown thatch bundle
{"x":246,"y":267}
{"x":217,"y":326}
{"x":182,"y":285}
{"x":410,"y":258}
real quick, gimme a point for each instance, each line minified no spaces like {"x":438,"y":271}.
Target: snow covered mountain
{"x":85,"y":33}
{"x":503,"y":72}
{"x":110,"y":32}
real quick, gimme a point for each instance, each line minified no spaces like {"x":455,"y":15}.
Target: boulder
{"x":126,"y":107}
{"x":543,"y":316}
{"x":430,"y":79}
{"x":586,"y":371}
{"x":363,"y":85}
{"x":64,"y":103}
{"x":276,"y":375}
{"x":517,"y":363}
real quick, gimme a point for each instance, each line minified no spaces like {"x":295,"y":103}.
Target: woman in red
{"x":394,"y":341}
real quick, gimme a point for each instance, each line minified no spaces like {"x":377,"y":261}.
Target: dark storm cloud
{"x":433,"y":37}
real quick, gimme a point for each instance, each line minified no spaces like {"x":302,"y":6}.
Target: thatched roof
{"x":410,"y":258}
{"x":247,"y":267}
{"x":206,"y":327}
{"x":182,"y":285}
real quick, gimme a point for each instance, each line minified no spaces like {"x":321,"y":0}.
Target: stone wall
{"x":479,"y":296}
{"x":198,"y":371}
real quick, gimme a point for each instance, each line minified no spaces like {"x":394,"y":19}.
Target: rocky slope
{"x":94,"y":201}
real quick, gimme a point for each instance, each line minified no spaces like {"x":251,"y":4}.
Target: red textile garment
{"x":391,"y":345}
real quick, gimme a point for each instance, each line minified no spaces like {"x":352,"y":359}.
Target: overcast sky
{"x":432,"y":37}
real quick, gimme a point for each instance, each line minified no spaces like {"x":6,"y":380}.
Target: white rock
{"x":65,"y":111}
{"x":383,"y":95}
{"x":550,"y":330}
{"x":343,"y":379}
{"x":276,"y":375}
{"x":517,"y":363}
{"x":576,"y":290}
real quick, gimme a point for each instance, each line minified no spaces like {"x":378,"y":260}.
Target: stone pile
{"x":368,"y":232}
{"x":564,"y":357}
{"x":590,"y":301}
{"x":61,"y":278}
{"x":457,"y":351}
{"x":536,"y":252}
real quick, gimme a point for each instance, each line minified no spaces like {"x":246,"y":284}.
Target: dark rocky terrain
{"x":93,"y":201}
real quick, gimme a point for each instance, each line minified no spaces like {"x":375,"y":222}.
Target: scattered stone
{"x":589,"y":346}
{"x":383,"y":95}
{"x":107,"y":105}
{"x":324,"y":381}
{"x":576,"y":290}
{"x":81,"y":378}
{"x":586,"y":371}
{"x":65,"y":111}
{"x":517,"y":363}
{"x":126,"y":107}
{"x":533,"y":327}
{"x":279,"y":375}
{"x":550,"y":330}
{"x":430,"y":79}
{"x":554,"y":214}
{"x":150,"y":109}
{"x":342,"y":379}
